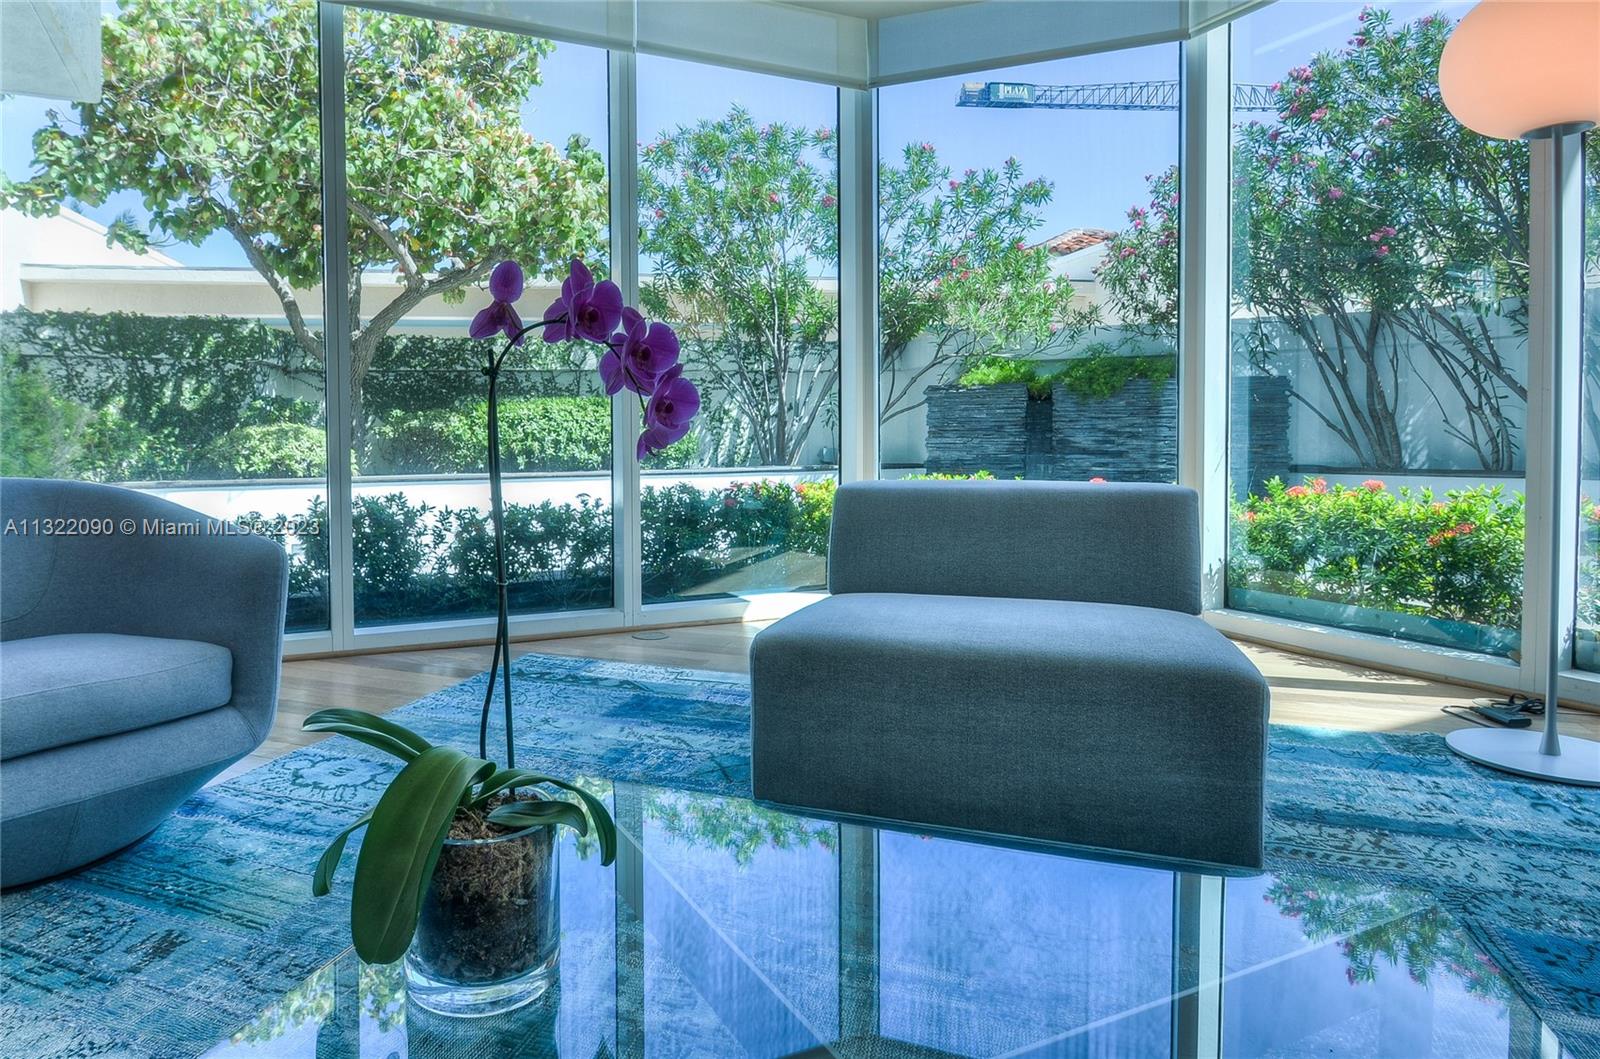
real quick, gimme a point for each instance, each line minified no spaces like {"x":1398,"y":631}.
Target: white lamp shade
{"x":1514,"y":67}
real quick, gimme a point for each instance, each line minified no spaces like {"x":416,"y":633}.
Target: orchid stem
{"x":502,"y":626}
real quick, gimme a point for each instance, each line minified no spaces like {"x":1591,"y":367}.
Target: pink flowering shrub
{"x":1458,"y":558}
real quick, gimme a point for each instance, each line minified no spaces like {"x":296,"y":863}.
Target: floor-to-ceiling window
{"x":1028,"y":272}
{"x":1588,"y":615}
{"x":159,"y":304}
{"x":1379,"y":334}
{"x":739,"y":251}
{"x":465,"y":147}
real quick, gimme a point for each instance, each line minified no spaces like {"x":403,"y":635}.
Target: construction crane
{"x":1127,"y":95}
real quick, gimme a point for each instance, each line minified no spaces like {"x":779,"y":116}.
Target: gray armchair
{"x":139,"y":657}
{"x":1022,"y":658}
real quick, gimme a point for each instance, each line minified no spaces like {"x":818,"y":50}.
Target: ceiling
{"x":873,"y":10}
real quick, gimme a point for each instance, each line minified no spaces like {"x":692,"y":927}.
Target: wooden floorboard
{"x":1305,"y":690}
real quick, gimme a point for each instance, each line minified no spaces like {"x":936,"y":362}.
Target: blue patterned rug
{"x":186,"y":937}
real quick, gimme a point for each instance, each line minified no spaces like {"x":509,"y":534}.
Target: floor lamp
{"x":1530,"y":69}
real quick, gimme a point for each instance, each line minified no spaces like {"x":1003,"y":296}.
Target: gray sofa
{"x":1020,"y":658}
{"x":134,"y":666}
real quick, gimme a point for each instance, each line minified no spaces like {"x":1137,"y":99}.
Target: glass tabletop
{"x":732,"y":929}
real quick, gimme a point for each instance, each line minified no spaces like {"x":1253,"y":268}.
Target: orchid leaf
{"x":322,"y":878}
{"x":367,"y":728}
{"x":408,"y":827}
{"x":540,"y":813}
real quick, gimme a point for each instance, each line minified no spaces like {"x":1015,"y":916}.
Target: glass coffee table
{"x":732,"y":929}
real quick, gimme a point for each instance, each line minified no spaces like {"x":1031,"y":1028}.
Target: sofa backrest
{"x":1091,"y":542}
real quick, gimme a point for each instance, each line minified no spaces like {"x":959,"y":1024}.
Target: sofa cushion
{"x":1135,"y":729}
{"x":59,"y":690}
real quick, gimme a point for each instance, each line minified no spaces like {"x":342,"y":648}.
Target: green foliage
{"x":39,"y":431}
{"x":734,"y":825}
{"x":1368,"y":226}
{"x":536,"y":434}
{"x":1101,"y":374}
{"x":210,"y":114}
{"x":738,"y":217}
{"x":1380,"y":926}
{"x":996,"y":371}
{"x":271,"y":450}
{"x":1458,"y":558}
{"x":976,"y":476}
{"x":1104,"y":374}
{"x":956,"y":267}
{"x":163,"y":389}
{"x":408,"y":826}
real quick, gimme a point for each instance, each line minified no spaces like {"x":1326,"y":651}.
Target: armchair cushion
{"x":64,"y":689}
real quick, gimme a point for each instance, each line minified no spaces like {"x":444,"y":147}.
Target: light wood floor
{"x":1305,"y":690}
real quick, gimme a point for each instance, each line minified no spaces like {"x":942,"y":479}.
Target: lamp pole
{"x":1511,"y":66}
{"x":1545,"y":755}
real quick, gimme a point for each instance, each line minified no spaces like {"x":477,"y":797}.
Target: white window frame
{"x":1203,"y":380}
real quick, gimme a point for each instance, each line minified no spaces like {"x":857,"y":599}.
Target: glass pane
{"x":1028,"y":287}
{"x":1588,"y":638}
{"x":494,"y":149}
{"x":739,"y":250}
{"x":159,"y":311}
{"x":1379,"y":335}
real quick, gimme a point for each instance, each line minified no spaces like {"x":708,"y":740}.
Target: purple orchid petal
{"x":597,"y":315}
{"x":664,"y":344}
{"x":505,"y":282}
{"x":562,"y":330}
{"x":487,"y":322}
{"x":675,"y":402}
{"x":612,"y":374}
{"x":579,"y":281}
{"x":511,"y":323}
{"x":656,"y":438}
{"x":631,"y":318}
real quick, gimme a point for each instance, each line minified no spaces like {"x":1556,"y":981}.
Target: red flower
{"x":1296,"y":490}
{"x":1372,"y":485}
{"x":1319,"y":485}
{"x":1097,"y":481}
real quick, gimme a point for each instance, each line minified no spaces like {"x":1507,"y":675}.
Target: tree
{"x":1376,"y":232}
{"x":210,"y":113}
{"x":739,"y":220}
{"x":956,"y":268}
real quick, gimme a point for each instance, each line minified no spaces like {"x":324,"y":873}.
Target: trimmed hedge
{"x":416,"y":561}
{"x":1458,"y":557}
{"x":536,"y":434}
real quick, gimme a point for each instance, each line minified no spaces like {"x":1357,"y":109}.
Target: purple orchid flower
{"x":647,"y":350}
{"x":641,"y":358}
{"x":672,"y":406}
{"x":592,"y":310}
{"x":505,"y":287}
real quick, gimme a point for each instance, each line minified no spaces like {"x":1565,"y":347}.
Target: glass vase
{"x":489,"y":934}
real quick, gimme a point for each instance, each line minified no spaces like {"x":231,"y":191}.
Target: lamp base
{"x":1518,"y":752}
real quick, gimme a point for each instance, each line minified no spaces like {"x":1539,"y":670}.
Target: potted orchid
{"x":457,"y":871}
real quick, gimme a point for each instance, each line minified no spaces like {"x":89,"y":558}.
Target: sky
{"x":1097,"y":161}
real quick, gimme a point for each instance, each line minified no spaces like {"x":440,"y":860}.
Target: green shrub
{"x":942,"y":476}
{"x":270,"y":450}
{"x":1103,"y":373}
{"x":39,"y":431}
{"x":536,"y":434}
{"x":1458,"y":558}
{"x":995,"y":371}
